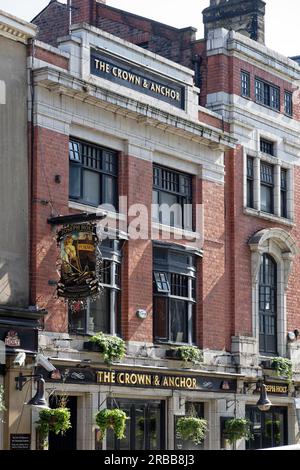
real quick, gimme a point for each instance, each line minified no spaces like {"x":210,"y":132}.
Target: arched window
{"x":268,"y":305}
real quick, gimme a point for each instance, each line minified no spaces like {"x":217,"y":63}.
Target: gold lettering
{"x":156,"y":381}
{"x":189,"y":383}
{"x":102,"y":66}
{"x":148,"y":380}
{"x":172,"y":381}
{"x":127,"y":378}
{"x":121,"y":378}
{"x":177,"y":382}
{"x":106,"y":377}
{"x":165,"y":382}
{"x":194,"y":383}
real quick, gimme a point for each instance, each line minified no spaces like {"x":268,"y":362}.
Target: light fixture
{"x":142,"y":314}
{"x":38,"y":400}
{"x":263,"y":404}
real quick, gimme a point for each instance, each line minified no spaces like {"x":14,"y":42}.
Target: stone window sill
{"x":271,"y":217}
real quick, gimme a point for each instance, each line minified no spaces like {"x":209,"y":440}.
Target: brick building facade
{"x":232,"y":143}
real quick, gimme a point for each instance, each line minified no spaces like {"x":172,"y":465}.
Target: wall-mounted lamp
{"x":39,"y":399}
{"x":293,"y":335}
{"x":264,"y":403}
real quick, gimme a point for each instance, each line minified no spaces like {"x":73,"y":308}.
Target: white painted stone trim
{"x":16,"y":29}
{"x":281,"y":246}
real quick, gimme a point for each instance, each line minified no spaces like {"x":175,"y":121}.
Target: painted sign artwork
{"x":79,"y":276}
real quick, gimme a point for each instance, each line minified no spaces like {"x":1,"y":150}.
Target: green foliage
{"x":190,"y":354}
{"x":237,"y":428}
{"x":283,"y":367}
{"x":112,"y":419}
{"x":111,"y":347}
{"x":56,"y":420}
{"x":2,"y":405}
{"x":190,"y":428}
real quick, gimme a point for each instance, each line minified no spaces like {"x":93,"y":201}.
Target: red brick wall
{"x":49,"y":199}
{"x":52,"y":58}
{"x":172,"y":43}
{"x":215,"y":319}
{"x":53,"y":22}
{"x":137,"y":261}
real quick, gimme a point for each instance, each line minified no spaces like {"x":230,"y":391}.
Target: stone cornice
{"x":66,"y":84}
{"x":15,"y":28}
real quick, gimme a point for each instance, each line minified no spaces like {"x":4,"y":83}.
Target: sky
{"x":282,"y":17}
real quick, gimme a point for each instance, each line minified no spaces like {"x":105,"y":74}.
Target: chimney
{"x":84,"y":11}
{"x":244,"y":16}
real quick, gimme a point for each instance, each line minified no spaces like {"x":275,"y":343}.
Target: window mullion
{"x":256,"y":184}
{"x":277,"y":188}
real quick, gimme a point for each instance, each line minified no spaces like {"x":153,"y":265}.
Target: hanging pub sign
{"x":79,"y":262}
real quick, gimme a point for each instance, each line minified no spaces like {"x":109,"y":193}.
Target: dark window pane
{"x":170,"y":210}
{"x":178,"y":320}
{"x":250,"y":181}
{"x":91,"y":187}
{"x":160,"y":317}
{"x":266,"y":94}
{"x":268,"y":305}
{"x":259,"y":91}
{"x":266,"y":199}
{"x":161,"y":282}
{"x":288,"y":103}
{"x":99,"y":169}
{"x":109,"y":190}
{"x":77,"y":320}
{"x":245,"y":84}
{"x":266,"y":146}
{"x":74,"y":151}
{"x":100,"y":313}
{"x":274,"y":98}
{"x":179,"y":285}
{"x":75,"y":181}
{"x":106,"y":272}
{"x":172,"y":189}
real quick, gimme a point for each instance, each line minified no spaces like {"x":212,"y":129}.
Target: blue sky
{"x":282,"y":18}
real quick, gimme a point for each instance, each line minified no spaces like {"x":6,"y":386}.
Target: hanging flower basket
{"x":237,"y":428}
{"x":56,"y":420}
{"x":190,"y":428}
{"x":111,"y":419}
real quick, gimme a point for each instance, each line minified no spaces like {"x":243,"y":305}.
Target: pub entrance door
{"x":145,"y":429}
{"x":68,"y":440}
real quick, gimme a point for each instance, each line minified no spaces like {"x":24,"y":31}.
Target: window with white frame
{"x":103,"y":315}
{"x":268,"y":186}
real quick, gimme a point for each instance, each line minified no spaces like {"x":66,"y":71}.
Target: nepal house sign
{"x":132,"y":76}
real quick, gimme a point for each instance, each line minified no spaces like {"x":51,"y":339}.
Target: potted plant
{"x":283,"y":367}
{"x":56,"y":420}
{"x":191,"y":428}
{"x":114,"y":419}
{"x":186,"y":354}
{"x":111,"y":347}
{"x":237,"y":428}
